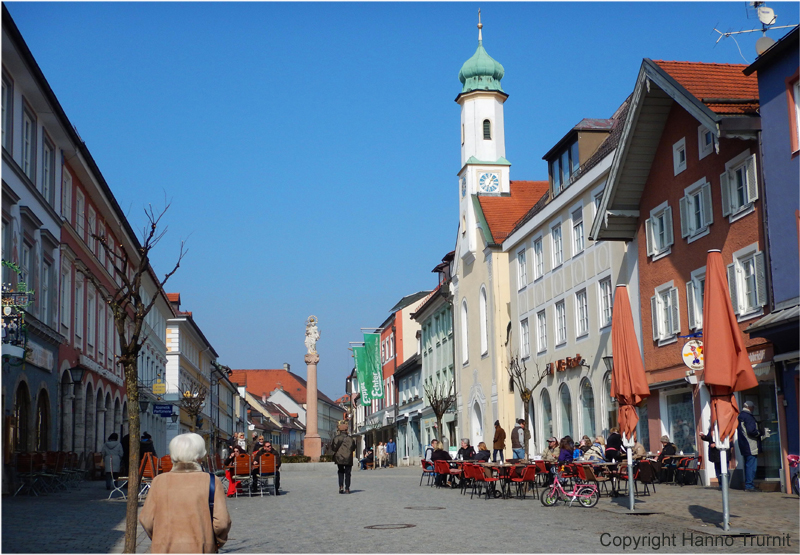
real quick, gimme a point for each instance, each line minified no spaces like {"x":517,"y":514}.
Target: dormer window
{"x":564,"y":167}
{"x":487,"y":130}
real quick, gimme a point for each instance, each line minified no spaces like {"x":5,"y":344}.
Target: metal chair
{"x":148,"y":469}
{"x":119,"y":483}
{"x":427,"y":470}
{"x":528,"y":477}
{"x":242,"y":466}
{"x":591,"y":477}
{"x":266,"y":473}
{"x":164,"y":464}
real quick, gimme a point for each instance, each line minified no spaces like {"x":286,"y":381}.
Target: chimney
{"x":263,"y":397}
{"x":286,"y":366}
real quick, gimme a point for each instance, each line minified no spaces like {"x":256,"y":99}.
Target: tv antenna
{"x":767,"y":18}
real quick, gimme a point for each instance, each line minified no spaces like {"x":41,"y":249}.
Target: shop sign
{"x":159,"y":387}
{"x":39,"y":356}
{"x":162,"y":410}
{"x":692,"y":354}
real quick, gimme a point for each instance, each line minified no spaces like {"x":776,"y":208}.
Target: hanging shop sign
{"x":162,"y":410}
{"x":692,"y":354}
{"x":159,"y":387}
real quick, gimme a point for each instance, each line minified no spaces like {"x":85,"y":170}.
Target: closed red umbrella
{"x":727,"y":365}
{"x":628,"y":382}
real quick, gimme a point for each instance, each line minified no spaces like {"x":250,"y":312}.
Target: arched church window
{"x":487,"y":130}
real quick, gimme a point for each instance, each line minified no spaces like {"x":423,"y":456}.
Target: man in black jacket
{"x":343,"y":447}
{"x":749,"y":444}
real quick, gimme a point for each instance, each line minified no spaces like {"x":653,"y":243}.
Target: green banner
{"x":372,"y":344}
{"x":360,"y":356}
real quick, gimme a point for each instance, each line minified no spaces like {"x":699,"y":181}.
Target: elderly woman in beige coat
{"x":176,"y":513}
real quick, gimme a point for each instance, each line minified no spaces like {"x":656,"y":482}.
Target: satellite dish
{"x":766,"y":15}
{"x":763,"y":44}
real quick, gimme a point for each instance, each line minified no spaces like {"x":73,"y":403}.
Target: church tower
{"x":484,"y":168}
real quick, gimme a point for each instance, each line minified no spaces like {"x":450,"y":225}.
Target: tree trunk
{"x":527,"y":424}
{"x":132,"y":513}
{"x":439,"y":429}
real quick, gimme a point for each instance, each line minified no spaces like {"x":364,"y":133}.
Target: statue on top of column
{"x":312,"y":334}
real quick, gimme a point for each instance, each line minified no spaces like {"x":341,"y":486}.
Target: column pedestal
{"x":312,"y":444}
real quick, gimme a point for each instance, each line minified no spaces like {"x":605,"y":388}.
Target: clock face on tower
{"x":489,"y":182}
{"x":463,"y":186}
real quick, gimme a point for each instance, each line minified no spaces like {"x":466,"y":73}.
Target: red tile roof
{"x":257,"y":382}
{"x":503,"y":212}
{"x":174,"y":297}
{"x":709,"y":82}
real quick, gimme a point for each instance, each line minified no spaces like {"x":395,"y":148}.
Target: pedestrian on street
{"x":714,"y":456}
{"x":749,"y":444}
{"x":391,"y":452}
{"x":499,"y":442}
{"x":112,"y":459}
{"x":343,"y":447}
{"x":380,"y":455}
{"x":177,"y":515}
{"x":146,"y":446}
{"x":518,"y":440}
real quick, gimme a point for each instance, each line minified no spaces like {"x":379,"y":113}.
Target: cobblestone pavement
{"x":311,"y":517}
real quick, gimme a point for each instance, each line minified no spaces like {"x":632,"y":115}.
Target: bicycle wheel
{"x":796,"y":485}
{"x":588,"y":497}
{"x":549,"y":498}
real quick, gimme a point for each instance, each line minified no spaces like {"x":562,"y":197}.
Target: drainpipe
{"x":450,"y":299}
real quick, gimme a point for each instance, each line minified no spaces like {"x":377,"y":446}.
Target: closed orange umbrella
{"x":628,"y":382}
{"x":727,"y":366}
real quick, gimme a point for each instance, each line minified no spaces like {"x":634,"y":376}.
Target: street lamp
{"x":143,"y":405}
{"x":609,"y":362}
{"x":174,"y":417}
{"x":77,"y":374}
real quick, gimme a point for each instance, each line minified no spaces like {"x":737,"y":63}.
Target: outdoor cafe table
{"x":504,"y":474}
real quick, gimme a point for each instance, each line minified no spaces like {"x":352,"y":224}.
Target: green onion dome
{"x":481,"y":72}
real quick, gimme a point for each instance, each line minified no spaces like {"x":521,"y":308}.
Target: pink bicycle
{"x":585,"y":494}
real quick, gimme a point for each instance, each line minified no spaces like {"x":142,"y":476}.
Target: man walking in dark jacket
{"x":343,"y":447}
{"x":499,"y":442}
{"x":749,"y":443}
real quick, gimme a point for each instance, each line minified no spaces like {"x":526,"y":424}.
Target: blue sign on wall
{"x":162,"y":410}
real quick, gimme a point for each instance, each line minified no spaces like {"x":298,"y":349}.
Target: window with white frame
{"x":606,"y":301}
{"x":577,"y":231}
{"x":522,"y":270}
{"x":525,"y":338}
{"x":101,"y":252}
{"x":66,"y":195}
{"x":582,"y":313}
{"x":705,"y":141}
{"x":558,"y":245}
{"x":697,"y":213}
{"x":695,"y":298}
{"x":25,"y":263}
{"x":538,"y":258}
{"x":561,"y":323}
{"x":541,"y":331}
{"x":101,"y":330}
{"x":91,"y":316}
{"x":747,"y":282}
{"x":8,"y":110}
{"x":464,"y":334}
{"x":28,"y":144}
{"x":665,"y":313}
{"x":796,"y":94}
{"x":739,"y":185}
{"x":484,"y":315}
{"x":679,"y":156}
{"x":79,"y":312}
{"x":92,"y":230}
{"x":658,"y":231}
{"x":80,"y":207}
{"x":66,"y":291}
{"x":48,"y":171}
{"x":44,"y":303}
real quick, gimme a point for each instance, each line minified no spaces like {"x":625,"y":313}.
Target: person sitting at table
{"x":441,"y":455}
{"x":665,"y":457}
{"x":235,"y":452}
{"x":614,"y":448}
{"x":483,"y":454}
{"x":466,"y":453}
{"x":597,"y":451}
{"x":565,"y":451}
{"x":638,"y":451}
{"x":551,"y":453}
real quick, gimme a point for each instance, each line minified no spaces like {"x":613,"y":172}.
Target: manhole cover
{"x":389,"y":526}
{"x":424,"y":508}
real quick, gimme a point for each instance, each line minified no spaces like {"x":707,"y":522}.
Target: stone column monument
{"x":312,"y":445}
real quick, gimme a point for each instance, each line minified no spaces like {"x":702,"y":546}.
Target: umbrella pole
{"x":628,"y":443}
{"x":722,"y":447}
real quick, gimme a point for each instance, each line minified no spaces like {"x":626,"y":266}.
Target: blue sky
{"x":310,"y":150}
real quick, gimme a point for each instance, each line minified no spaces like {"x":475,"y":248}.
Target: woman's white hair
{"x":186,"y":448}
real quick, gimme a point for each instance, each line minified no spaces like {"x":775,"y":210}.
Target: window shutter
{"x":676,"y":313}
{"x":761,"y":281}
{"x":732,"y":287}
{"x":668,"y":226}
{"x":684,"y":218}
{"x":752,"y":180}
{"x":690,"y":308}
{"x":708,"y":208}
{"x":654,"y":317}
{"x":649,"y":236}
{"x":725,"y":188}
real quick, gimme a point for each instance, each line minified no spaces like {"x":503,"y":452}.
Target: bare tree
{"x":518,"y":372}
{"x":441,"y":397}
{"x":192,"y":401}
{"x":129,"y":309}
